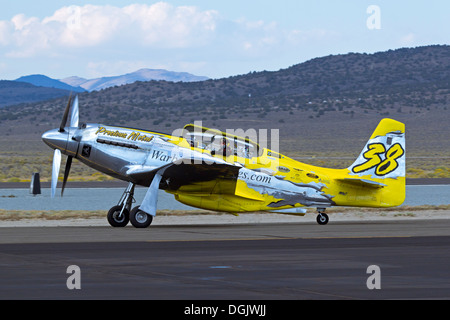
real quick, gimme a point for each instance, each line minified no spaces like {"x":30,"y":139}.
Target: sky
{"x":213,"y":38}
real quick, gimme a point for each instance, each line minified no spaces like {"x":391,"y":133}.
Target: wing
{"x":184,"y":171}
{"x":177,"y":176}
{"x":189,"y":171}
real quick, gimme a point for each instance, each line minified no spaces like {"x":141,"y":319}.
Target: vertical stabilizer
{"x":383,"y":161}
{"x":384,"y":154}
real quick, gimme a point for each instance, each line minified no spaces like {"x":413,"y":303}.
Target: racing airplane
{"x":212,"y":170}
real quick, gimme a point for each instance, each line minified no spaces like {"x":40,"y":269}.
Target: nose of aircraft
{"x":56,"y":139}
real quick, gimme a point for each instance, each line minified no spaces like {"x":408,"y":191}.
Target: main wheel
{"x":115,"y":219}
{"x":322,"y":218}
{"x":139,"y":218}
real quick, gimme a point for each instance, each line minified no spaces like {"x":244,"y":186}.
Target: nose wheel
{"x":322,"y":217}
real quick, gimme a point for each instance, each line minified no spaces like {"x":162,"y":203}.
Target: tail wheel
{"x":322,"y":219}
{"x":139,"y":218}
{"x":116,"y":219}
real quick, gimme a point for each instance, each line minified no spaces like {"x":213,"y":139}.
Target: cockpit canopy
{"x":218,"y":141}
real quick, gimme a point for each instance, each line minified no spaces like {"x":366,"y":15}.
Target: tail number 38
{"x":373,"y":156}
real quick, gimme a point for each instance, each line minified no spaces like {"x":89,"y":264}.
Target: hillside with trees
{"x":16,"y":92}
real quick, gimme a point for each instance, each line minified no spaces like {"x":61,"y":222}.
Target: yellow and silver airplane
{"x":213,"y":170}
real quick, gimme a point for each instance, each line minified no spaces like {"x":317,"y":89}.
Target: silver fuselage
{"x":122,"y":153}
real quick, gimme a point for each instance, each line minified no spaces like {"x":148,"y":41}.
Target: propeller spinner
{"x":61,"y":140}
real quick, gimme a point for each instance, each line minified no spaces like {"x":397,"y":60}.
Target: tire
{"x":139,"y":218}
{"x":322,"y":219}
{"x":114,"y":219}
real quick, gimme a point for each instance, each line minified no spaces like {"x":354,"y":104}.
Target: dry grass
{"x":14,"y":215}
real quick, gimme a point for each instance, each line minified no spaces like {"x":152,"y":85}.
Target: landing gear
{"x":322,"y":217}
{"x":139,"y":218}
{"x":119,"y":215}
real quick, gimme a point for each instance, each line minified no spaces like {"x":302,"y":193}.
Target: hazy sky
{"x":214,"y":38}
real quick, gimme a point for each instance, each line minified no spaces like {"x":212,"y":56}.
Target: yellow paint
{"x":344,"y":187}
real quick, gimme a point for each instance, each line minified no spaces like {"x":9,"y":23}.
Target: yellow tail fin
{"x":382,"y":163}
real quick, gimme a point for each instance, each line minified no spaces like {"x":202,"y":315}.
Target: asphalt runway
{"x":229,"y":262}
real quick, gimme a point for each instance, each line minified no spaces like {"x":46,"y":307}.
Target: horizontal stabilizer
{"x":362,"y":183}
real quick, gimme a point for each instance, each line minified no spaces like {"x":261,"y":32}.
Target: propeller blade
{"x":65,"y":116}
{"x":55,"y":170}
{"x":74,"y":115}
{"x":66,"y":173}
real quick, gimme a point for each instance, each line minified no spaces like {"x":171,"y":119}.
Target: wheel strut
{"x":127,"y":198}
{"x":118,"y":216}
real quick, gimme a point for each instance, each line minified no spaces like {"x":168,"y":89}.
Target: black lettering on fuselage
{"x":161,"y":156}
{"x":254,"y":177}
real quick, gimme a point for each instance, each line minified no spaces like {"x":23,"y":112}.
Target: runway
{"x":229,"y":262}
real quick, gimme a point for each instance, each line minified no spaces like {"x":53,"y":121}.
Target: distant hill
{"x":15,"y":92}
{"x":403,"y":80}
{"x":11,"y":93}
{"x":40,"y":80}
{"x":140,"y":75}
{"x":413,"y":77}
{"x":342,"y":94}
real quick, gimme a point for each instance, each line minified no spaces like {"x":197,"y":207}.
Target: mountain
{"x":16,"y":92}
{"x":140,"y":75}
{"x":40,"y":80}
{"x":43,"y":88}
{"x":342,"y":94}
{"x":74,"y":81}
{"x":408,"y":79}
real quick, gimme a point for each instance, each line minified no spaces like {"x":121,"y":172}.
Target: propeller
{"x":74,"y":115}
{"x":72,"y":108}
{"x":66,"y":114}
{"x":55,"y":170}
{"x":66,"y":173}
{"x":74,"y":118}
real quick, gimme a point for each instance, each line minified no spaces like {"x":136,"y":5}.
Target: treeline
{"x":403,"y":80}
